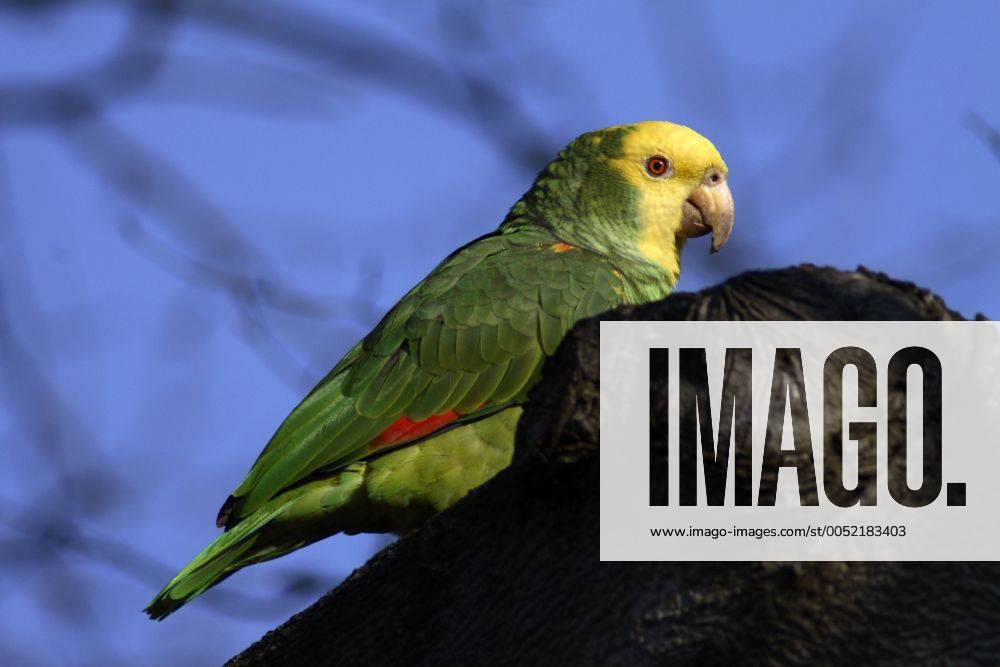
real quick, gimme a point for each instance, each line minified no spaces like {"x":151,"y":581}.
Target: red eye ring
{"x":658,"y":166}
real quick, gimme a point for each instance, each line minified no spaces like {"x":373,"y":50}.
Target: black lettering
{"x":788,"y":380}
{"x":735,"y":424}
{"x":864,"y":433}
{"x":930,"y":368}
{"x":659,"y":457}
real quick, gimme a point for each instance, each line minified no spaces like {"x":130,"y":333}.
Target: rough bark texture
{"x":511,"y":574}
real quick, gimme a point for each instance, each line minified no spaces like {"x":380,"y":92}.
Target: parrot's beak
{"x":709,"y":209}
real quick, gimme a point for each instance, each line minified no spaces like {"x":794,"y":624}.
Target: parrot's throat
{"x":589,"y":204}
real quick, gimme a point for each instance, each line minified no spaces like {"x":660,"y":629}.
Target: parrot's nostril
{"x":713,"y":177}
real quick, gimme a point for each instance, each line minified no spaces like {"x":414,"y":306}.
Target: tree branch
{"x":512,"y":574}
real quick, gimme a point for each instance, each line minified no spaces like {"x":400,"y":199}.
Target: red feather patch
{"x":405,"y":429}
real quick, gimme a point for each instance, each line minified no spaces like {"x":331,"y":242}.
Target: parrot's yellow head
{"x":636,"y":192}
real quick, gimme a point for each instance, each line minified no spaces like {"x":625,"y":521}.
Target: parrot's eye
{"x":658,"y":166}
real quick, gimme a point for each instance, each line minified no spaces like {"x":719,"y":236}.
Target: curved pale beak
{"x":709,"y":209}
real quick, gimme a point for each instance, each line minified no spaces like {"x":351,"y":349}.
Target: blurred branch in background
{"x":85,"y":481}
{"x":958,"y":259}
{"x":178,"y":228}
{"x":468,"y":96}
{"x":989,"y":134}
{"x":77,"y":106}
{"x":44,"y":539}
{"x":853,"y":70}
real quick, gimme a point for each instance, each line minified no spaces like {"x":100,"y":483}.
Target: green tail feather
{"x":226,"y":554}
{"x":295,"y":518}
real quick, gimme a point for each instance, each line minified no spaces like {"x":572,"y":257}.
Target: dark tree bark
{"x":511,"y":574}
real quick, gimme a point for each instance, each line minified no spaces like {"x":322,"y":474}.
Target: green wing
{"x":470,"y":338}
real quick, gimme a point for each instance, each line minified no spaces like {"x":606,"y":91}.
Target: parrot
{"x":424,"y":408}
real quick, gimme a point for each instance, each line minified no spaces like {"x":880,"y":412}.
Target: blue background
{"x":203,"y":205}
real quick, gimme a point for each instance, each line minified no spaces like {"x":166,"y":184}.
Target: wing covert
{"x":466,"y":341}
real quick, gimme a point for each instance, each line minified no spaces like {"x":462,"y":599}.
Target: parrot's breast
{"x":408,"y":485}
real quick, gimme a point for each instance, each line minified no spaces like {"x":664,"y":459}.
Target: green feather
{"x":469,"y":356}
{"x":516,"y":378}
{"x":432,"y":401}
{"x":462,"y":387}
{"x":396,"y":382}
{"x":550,"y":332}
{"x":430,"y":347}
{"x":448,"y":348}
{"x":485,"y":385}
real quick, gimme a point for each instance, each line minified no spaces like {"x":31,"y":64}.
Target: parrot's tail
{"x":229,"y":552}
{"x":294,"y":519}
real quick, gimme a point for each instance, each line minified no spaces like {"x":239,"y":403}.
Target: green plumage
{"x":469,"y":337}
{"x":465,"y":345}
